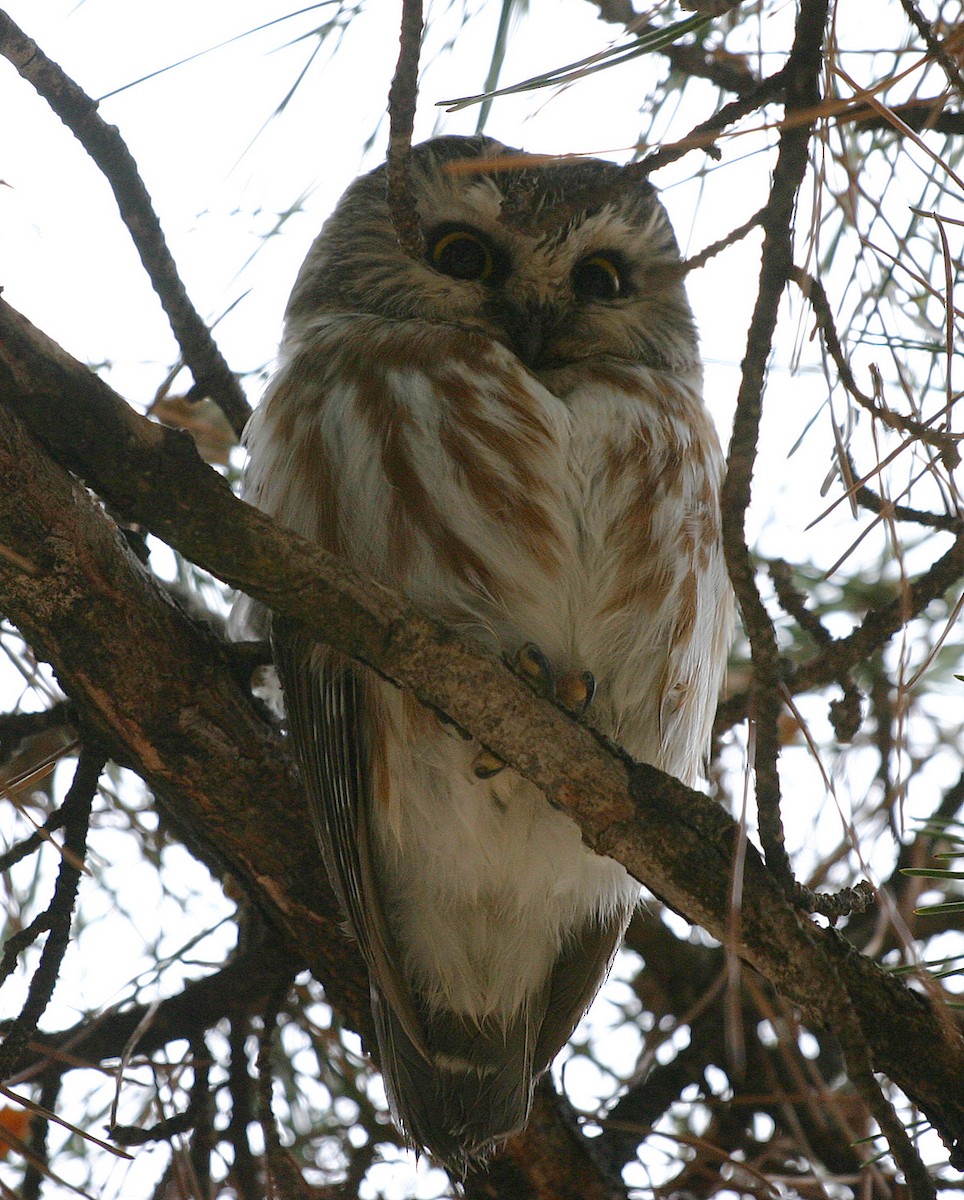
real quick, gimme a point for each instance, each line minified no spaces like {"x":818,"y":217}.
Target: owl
{"x":509,"y":430}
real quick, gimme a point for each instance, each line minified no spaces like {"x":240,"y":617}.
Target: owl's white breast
{"x":580,"y":522}
{"x":649,"y":602}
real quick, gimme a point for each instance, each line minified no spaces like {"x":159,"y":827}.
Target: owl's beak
{"x":529,"y":330}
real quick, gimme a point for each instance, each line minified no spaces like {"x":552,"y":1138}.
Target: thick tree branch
{"x":162,"y":694}
{"x":674,"y":839}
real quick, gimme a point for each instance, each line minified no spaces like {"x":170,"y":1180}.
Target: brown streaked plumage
{"x":511,"y":432}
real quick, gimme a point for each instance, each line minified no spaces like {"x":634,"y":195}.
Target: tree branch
{"x":402,"y":97}
{"x":842,"y":655}
{"x":161,"y":692}
{"x":240,"y":986}
{"x":59,"y":914}
{"x":731,"y":72}
{"x":800,"y":73}
{"x":935,"y":47}
{"x":675,"y":840}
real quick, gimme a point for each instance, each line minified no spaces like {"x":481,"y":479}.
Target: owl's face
{"x":561,"y":263}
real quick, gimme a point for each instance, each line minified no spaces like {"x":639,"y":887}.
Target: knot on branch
{"x":834,"y":905}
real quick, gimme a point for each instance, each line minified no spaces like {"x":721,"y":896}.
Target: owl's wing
{"x":329,"y":725}
{"x":576,"y":977}
{"x":325,"y":706}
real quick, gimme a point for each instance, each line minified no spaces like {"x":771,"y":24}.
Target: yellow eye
{"x":598,"y":278}
{"x":463,"y":255}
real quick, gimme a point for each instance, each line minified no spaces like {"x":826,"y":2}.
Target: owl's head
{"x":560,"y":262}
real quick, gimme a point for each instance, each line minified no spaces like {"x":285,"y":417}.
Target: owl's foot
{"x":487,"y":765}
{"x":535,"y":669}
{"x":573,"y":689}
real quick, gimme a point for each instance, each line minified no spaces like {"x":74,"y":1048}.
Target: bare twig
{"x":800,"y":75}
{"x":29,"y":845}
{"x":869,"y":499}
{"x":794,"y":603}
{"x":200,"y":1112}
{"x":814,"y":290}
{"x":285,"y":1181}
{"x":245,"y":1175}
{"x":845,"y":713}
{"x":875,"y":631}
{"x":724,"y":243}
{"x":106,"y":147}
{"x":930,"y":112}
{"x":880,"y":624}
{"x":179,"y":1122}
{"x":935,"y":47}
{"x":33,"y":1176}
{"x":58,"y":916}
{"x":402,"y":98}
{"x":238,"y":987}
{"x":731,"y":72}
{"x":16,"y":727}
{"x":703,"y":136}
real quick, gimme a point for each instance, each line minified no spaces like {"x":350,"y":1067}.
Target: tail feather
{"x":474,"y":1092}
{"x":473,"y":1089}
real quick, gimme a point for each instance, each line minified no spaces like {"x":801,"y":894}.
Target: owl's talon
{"x":486,"y":765}
{"x":575,"y":689}
{"x":534,"y":667}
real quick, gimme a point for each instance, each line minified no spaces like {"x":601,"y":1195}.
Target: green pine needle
{"x":655,"y":39}
{"x":931,"y":873}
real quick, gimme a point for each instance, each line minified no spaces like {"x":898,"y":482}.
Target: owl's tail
{"x":473,"y":1093}
{"x":469,"y":1086}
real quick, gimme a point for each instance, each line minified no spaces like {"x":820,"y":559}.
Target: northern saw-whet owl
{"x":510,"y":431}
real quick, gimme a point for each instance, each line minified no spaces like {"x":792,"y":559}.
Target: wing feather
{"x":327,"y":720}
{"x":576,"y":977}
